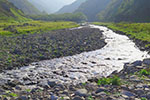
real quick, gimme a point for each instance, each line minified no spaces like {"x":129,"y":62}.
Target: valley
{"x":74,"y":50}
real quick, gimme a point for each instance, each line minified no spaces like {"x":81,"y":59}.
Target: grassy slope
{"x":140,"y":31}
{"x":9,"y":13}
{"x":26,"y":7}
{"x":126,"y":10}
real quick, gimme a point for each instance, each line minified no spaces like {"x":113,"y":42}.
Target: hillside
{"x":71,"y":8}
{"x":126,"y":10}
{"x":50,"y":6}
{"x":9,"y":12}
{"x":25,"y":6}
{"x":92,"y":7}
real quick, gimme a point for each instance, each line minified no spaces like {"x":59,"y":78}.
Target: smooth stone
{"x":51,"y":83}
{"x":100,"y":90}
{"x":146,"y":61}
{"x":127,"y":94}
{"x":54,"y":97}
{"x":139,"y":91}
{"x":77,"y":98}
{"x":139,"y":67}
{"x":23,"y":98}
{"x":137,"y":63}
{"x":43,"y":84}
{"x":135,"y":78}
{"x":81,"y":92}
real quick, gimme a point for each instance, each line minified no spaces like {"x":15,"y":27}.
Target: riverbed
{"x":81,"y":67}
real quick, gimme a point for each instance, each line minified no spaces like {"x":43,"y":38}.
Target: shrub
{"x":110,"y":81}
{"x":144,"y":72}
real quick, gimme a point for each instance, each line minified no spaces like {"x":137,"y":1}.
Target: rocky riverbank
{"x":21,"y":50}
{"x":132,"y":83}
{"x":81,"y":77}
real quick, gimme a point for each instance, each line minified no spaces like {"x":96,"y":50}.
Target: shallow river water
{"x":80,"y":67}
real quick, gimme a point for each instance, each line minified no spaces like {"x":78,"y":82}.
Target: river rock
{"x":127,"y":94}
{"x":146,"y":61}
{"x":53,"y":97}
{"x":100,"y":90}
{"x":51,"y":83}
{"x":81,"y":92}
{"x":77,"y":98}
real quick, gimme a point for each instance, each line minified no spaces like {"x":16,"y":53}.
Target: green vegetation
{"x":109,"y":81}
{"x":140,"y":31}
{"x":11,"y":94}
{"x":76,"y":17}
{"x":16,"y":28}
{"x":9,"y":13}
{"x":91,"y":8}
{"x":26,"y":7}
{"x":126,"y":10}
{"x":143,"y":99}
{"x":145,"y":72}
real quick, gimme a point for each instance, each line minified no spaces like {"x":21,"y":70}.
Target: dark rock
{"x":54,"y":97}
{"x":13,"y":83}
{"x":51,"y":83}
{"x":137,"y":63}
{"x":77,"y":98}
{"x":100,"y":90}
{"x":127,"y":93}
{"x":146,"y":61}
{"x":23,"y":98}
{"x":107,"y":59}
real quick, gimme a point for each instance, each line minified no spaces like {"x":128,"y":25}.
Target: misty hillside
{"x":92,"y":7}
{"x":50,"y":6}
{"x":25,"y":6}
{"x":72,"y":7}
{"x":9,"y":12}
{"x":127,"y":10}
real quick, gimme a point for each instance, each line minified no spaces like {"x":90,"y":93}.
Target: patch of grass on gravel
{"x":115,"y":80}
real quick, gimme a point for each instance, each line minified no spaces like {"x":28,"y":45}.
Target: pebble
{"x":81,"y":92}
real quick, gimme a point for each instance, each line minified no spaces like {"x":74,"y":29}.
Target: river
{"x":79,"y":68}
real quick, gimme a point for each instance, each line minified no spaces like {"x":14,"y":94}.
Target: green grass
{"x":143,"y":99}
{"x":145,"y":72}
{"x":139,"y":31}
{"x":15,"y":28}
{"x":110,"y":81}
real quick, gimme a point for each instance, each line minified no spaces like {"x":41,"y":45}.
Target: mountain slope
{"x":9,"y":12}
{"x":72,"y":7}
{"x":50,"y":6}
{"x":92,"y":7}
{"x":25,"y":6}
{"x":126,"y":10}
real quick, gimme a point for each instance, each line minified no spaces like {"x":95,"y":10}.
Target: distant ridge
{"x":71,"y":8}
{"x":126,"y":10}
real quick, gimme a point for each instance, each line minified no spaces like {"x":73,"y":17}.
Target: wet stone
{"x":51,"y":83}
{"x":127,"y":94}
{"x":53,"y":97}
{"x":146,"y":61}
{"x":77,"y":98}
{"x":100,"y":90}
{"x":81,"y":92}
